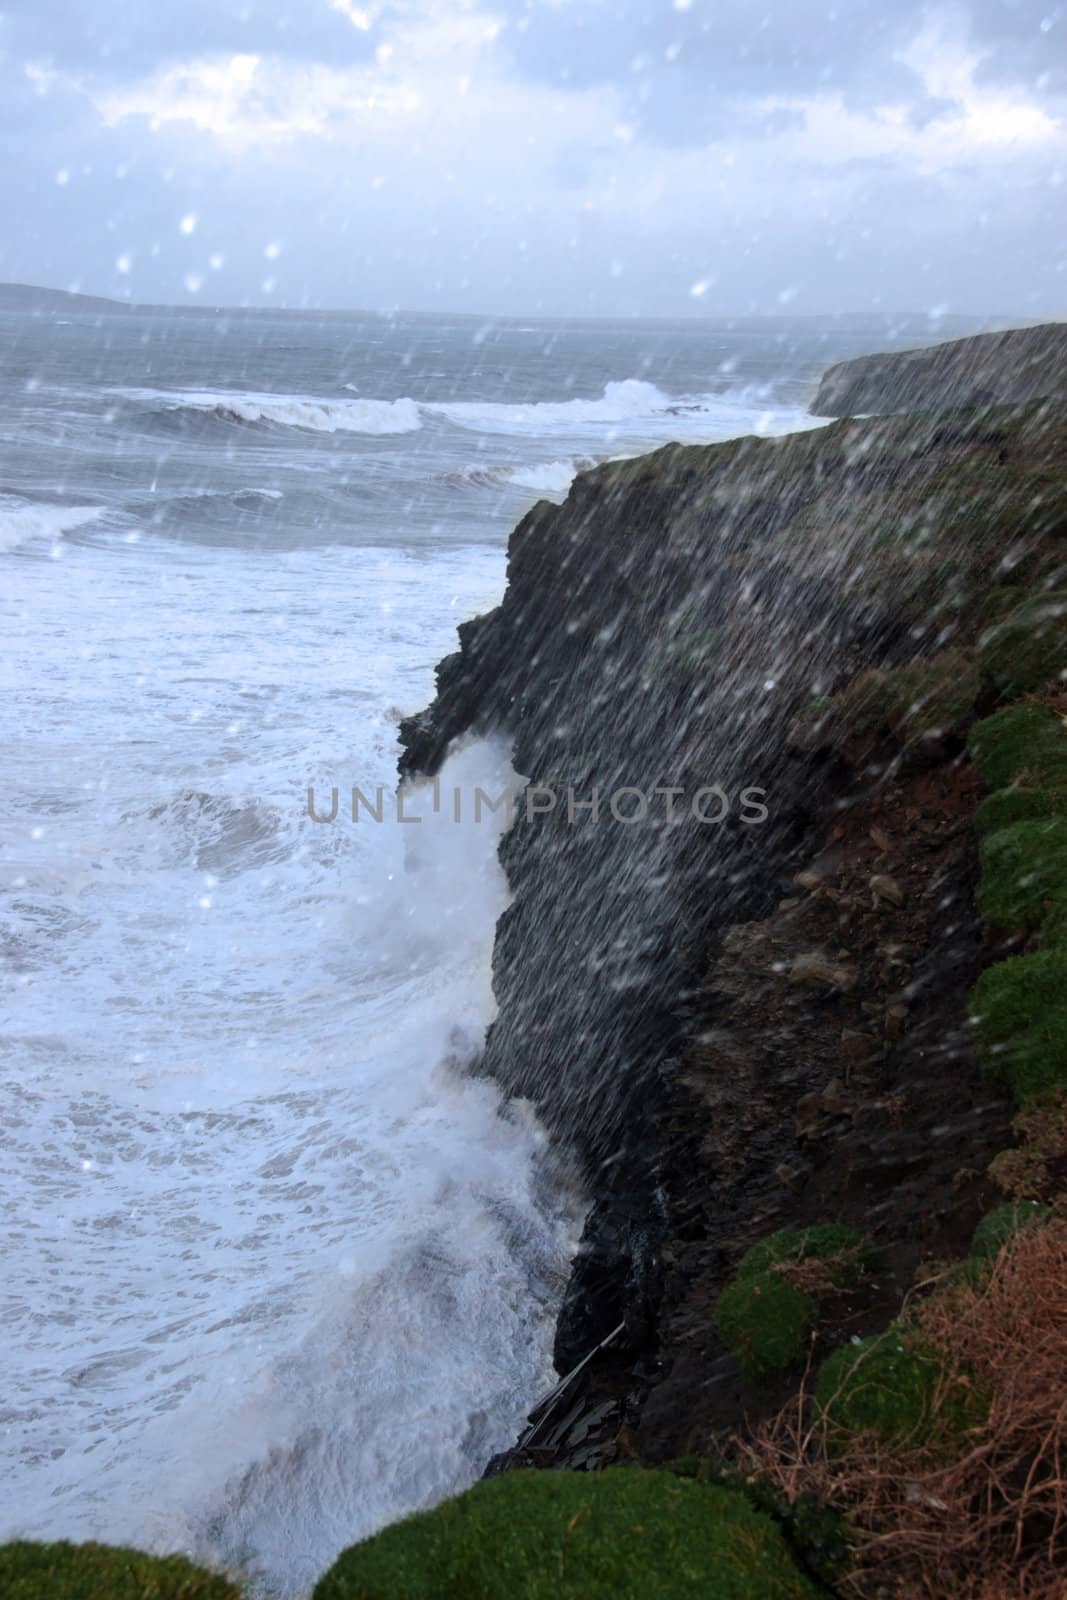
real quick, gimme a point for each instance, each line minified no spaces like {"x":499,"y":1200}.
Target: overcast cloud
{"x":659,"y":157}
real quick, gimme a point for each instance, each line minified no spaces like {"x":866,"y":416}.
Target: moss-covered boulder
{"x":893,"y":1388}
{"x":765,"y":1317}
{"x":1023,"y":871}
{"x":1028,"y":648}
{"x":997,"y":1228}
{"x":1019,"y":1012}
{"x":627,"y":1533}
{"x":30,"y":1571}
{"x":1020,"y":742}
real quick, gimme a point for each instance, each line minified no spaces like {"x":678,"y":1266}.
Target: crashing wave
{"x":294,"y":411}
{"x":623,"y":401}
{"x":25,"y":522}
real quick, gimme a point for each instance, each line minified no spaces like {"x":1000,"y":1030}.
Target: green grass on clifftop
{"x":103,"y":1572}
{"x":631,"y":1534}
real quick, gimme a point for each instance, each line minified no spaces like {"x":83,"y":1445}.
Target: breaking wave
{"x":548,"y":477}
{"x":293,"y":411}
{"x":623,"y":401}
{"x":629,"y":407}
{"x":24,"y":522}
{"x":552,"y":478}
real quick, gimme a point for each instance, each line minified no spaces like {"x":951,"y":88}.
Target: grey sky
{"x":662,"y":157}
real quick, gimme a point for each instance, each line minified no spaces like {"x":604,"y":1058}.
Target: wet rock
{"x":816,"y":971}
{"x":1021,"y":364}
{"x":883,"y":887}
{"x":857,"y":1047}
{"x":792,"y":1177}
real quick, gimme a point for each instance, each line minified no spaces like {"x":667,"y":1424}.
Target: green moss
{"x":862,"y":706}
{"x":932,"y":697}
{"x":998,"y":603}
{"x":1021,"y":804}
{"x":627,"y":1533}
{"x":897,"y":1392}
{"x":999,"y":1226}
{"x":766,"y":1322}
{"x":793,"y":1245}
{"x":970,"y":1273}
{"x":1019,"y":1010}
{"x":1054,"y":926}
{"x":765,"y":1319}
{"x":103,"y":1572}
{"x":817,"y":1534}
{"x":1019,"y":740}
{"x":1023,"y":869}
{"x":1028,"y":648}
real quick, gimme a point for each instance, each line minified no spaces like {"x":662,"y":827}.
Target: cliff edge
{"x":1017,"y":366}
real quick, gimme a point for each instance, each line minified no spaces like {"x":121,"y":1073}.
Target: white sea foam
{"x":624,"y":401}
{"x":23,"y":523}
{"x":276,"y":1270}
{"x":632,"y":413}
{"x":552,"y":478}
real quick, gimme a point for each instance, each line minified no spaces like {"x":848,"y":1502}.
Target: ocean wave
{"x":545,"y":477}
{"x":624,"y":401}
{"x":628,"y":407}
{"x":28,"y":521}
{"x":292,"y":411}
{"x":548,"y":477}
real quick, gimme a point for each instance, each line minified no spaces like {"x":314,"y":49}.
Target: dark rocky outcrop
{"x":1013,"y":367}
{"x":727,"y":1050}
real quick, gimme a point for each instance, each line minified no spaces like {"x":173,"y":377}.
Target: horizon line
{"x":109,"y":304}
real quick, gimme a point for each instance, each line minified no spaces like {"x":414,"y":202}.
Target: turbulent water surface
{"x":275,"y":1270}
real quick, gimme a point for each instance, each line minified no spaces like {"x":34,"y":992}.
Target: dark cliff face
{"x":677,"y":623}
{"x":1013,"y":367}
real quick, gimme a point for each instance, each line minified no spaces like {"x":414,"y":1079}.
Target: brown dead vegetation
{"x":990,"y":1523}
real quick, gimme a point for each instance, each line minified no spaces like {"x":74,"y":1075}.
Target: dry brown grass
{"x":992,"y":1523}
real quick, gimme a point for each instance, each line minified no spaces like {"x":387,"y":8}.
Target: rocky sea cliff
{"x":784,"y":973}
{"x":742,"y":1027}
{"x":986,"y":369}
